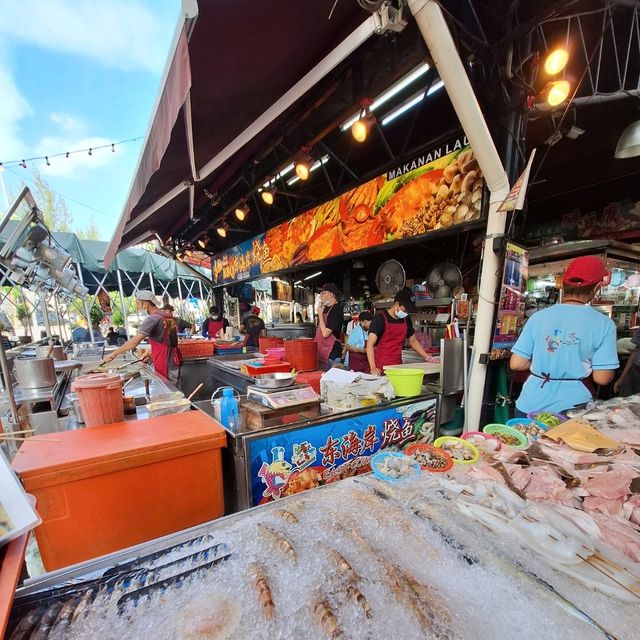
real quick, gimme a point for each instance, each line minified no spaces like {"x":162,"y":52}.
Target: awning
{"x":236,"y":71}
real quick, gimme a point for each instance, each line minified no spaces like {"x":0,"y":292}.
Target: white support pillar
{"x":124,"y":309}
{"x":442,"y":48}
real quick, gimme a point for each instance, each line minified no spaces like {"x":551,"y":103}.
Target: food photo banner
{"x":439,"y":189}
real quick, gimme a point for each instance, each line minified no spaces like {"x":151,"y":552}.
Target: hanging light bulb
{"x":242,"y":211}
{"x":556,"y":61}
{"x":221,"y":230}
{"x":268,"y":195}
{"x":557,"y":92}
{"x":361,"y":127}
{"x":202,"y":243}
{"x":303,"y":164}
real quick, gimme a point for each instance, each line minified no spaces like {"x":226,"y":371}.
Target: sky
{"x":76,"y":74}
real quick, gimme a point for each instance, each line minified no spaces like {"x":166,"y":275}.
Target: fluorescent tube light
{"x":410,"y":103}
{"x":313,"y":275}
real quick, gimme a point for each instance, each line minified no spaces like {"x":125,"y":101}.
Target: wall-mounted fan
{"x":390,"y":278}
{"x":443,"y":279}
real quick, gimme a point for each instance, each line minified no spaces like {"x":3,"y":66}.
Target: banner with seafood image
{"x":287,"y":463}
{"x":439,"y":189}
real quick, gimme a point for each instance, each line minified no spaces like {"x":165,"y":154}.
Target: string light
{"x":67,"y":154}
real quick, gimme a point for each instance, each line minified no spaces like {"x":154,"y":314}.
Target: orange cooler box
{"x":106,"y":488}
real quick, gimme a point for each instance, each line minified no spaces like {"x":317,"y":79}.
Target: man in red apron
{"x":212,"y":325}
{"x":329,"y":331}
{"x":159,"y":328}
{"x":388,"y":332}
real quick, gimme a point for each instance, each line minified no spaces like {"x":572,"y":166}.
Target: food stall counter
{"x":104,"y":488}
{"x":225,"y":371}
{"x":298,"y":452}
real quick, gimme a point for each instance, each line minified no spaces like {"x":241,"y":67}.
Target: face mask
{"x":401,"y":314}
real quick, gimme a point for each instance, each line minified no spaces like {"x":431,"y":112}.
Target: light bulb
{"x":303,"y":168}
{"x":556,"y":61}
{"x":240,"y":213}
{"x":202,"y":243}
{"x":558,"y":92}
{"x":361,"y":127}
{"x":222,"y":231}
{"x":268,"y":196}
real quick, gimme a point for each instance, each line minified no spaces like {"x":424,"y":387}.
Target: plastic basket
{"x":406,"y":382}
{"x":257,"y":370}
{"x":499,"y":430}
{"x":196,"y":348}
{"x":534,"y":416}
{"x":428,"y":448}
{"x":485,"y":436}
{"x":379,"y":459}
{"x":474,"y":450}
{"x":230,"y":350}
{"x":515,"y":422}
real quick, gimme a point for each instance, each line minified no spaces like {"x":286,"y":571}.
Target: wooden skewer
{"x":193,"y":393}
{"x":13,"y":433}
{"x":4,"y":437}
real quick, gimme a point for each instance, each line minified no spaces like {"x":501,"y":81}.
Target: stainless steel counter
{"x":291,"y":330}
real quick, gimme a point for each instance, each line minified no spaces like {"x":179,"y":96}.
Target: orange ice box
{"x":106,"y":488}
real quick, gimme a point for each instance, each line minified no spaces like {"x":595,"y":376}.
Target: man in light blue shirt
{"x":566,"y":343}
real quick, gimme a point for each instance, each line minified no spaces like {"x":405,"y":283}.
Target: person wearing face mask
{"x":329,"y":330}
{"x":567,"y":345}
{"x":159,"y":327}
{"x":388,"y":332}
{"x":530,"y":308}
{"x":355,"y":347}
{"x":214,"y":323}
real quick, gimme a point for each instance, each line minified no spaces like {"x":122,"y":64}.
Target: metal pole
{"x":153,"y":289}
{"x":61,"y":324}
{"x":125,"y":311}
{"x":180,"y":296}
{"x":87,"y":315}
{"x":13,"y":407}
{"x":45,"y":314}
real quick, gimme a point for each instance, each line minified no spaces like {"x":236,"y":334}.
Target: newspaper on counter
{"x":342,"y":390}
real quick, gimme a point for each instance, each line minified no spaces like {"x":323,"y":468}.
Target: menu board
{"x":441,"y":188}
{"x":286,"y":463}
{"x":510,"y":316}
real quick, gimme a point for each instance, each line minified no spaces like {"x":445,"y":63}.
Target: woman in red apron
{"x":329,"y":326}
{"x":212,"y":325}
{"x":355,"y":347}
{"x":388,"y":333}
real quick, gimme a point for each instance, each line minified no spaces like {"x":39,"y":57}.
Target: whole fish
{"x":41,"y":632}
{"x":63,"y":622}
{"x":27,"y":623}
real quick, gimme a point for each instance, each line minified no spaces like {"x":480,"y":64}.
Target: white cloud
{"x":13,"y":107}
{"x":120,"y":34}
{"x":77,"y":164}
{"x":67,"y":122}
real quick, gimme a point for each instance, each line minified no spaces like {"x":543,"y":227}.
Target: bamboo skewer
{"x":193,"y":393}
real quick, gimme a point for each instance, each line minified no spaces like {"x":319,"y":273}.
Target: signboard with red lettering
{"x":287,"y":463}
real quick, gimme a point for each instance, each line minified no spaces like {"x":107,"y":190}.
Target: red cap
{"x":585,"y":272}
{"x":255,"y":310}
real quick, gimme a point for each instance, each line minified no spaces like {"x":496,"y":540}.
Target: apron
{"x":587,"y":381}
{"x":388,"y":351}
{"x":213,"y":327}
{"x":162,"y":354}
{"x":325,"y":345}
{"x":359,"y":362}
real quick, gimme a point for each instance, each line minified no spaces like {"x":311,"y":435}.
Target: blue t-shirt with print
{"x":564,"y":341}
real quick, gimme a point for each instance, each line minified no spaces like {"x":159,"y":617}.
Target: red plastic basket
{"x":302,"y":354}
{"x":311,"y":378}
{"x":196,"y":348}
{"x":267,"y":342}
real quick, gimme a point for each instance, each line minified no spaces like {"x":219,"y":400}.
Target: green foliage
{"x":90,"y":232}
{"x":96,"y":314}
{"x":116,"y":318}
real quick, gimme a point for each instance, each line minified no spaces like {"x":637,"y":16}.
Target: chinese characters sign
{"x":437,"y":190}
{"x":290,"y":462}
{"x":511,"y":306}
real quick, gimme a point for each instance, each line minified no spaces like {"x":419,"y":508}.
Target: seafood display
{"x":460,"y":450}
{"x":527,"y":427}
{"x":395,"y":466}
{"x":485,"y":443}
{"x":372,"y":560}
{"x":429,"y":457}
{"x":549,"y":419}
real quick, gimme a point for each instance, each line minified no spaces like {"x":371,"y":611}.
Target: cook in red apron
{"x":325,"y":345}
{"x":212,"y":325}
{"x":165,"y":357}
{"x":388,"y":349}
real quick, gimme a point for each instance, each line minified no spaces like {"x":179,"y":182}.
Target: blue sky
{"x":76,"y":74}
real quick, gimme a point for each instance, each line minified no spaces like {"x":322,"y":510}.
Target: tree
{"x":53,"y":206}
{"x":90,"y":232}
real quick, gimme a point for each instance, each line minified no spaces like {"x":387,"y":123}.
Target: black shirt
{"x":334,"y":322}
{"x":253,"y":326}
{"x":112,"y":338}
{"x":377,"y":324}
{"x":182,"y":325}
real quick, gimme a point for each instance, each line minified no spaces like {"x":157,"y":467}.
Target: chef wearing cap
{"x":567,"y":343}
{"x":388,"y":332}
{"x":253,"y":327}
{"x":159,"y":327}
{"x":329,"y":330}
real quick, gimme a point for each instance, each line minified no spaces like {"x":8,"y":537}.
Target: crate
{"x":196,"y":348}
{"x":224,"y":350}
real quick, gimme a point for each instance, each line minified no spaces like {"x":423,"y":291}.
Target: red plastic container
{"x":283,"y":367}
{"x":302,"y":354}
{"x":311,"y":378}
{"x":196,"y":348}
{"x":100,"y":396}
{"x":266,"y":342}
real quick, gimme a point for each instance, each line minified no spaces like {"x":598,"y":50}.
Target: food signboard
{"x":286,"y":463}
{"x":436,"y":190}
{"x":511,"y":305}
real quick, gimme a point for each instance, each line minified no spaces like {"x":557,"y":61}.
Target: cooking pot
{"x":35,"y":373}
{"x":42,"y":351}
